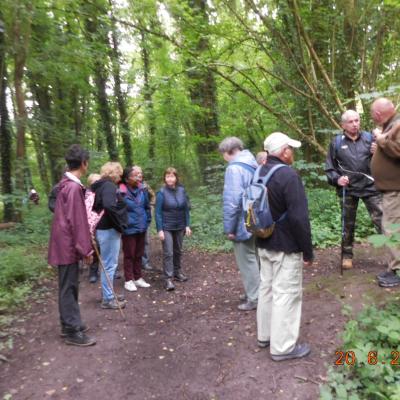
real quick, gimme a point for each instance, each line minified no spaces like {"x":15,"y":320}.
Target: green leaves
{"x":374,"y":337}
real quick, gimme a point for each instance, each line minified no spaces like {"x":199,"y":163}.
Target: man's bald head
{"x":382,"y":110}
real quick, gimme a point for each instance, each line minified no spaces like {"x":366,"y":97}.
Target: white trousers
{"x":279,"y":299}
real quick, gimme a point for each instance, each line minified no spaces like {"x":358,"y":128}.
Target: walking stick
{"x":343,"y":229}
{"x":96,"y":249}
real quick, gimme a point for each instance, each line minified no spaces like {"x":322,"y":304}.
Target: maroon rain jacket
{"x":70,"y":237}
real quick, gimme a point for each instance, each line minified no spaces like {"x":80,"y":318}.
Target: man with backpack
{"x":348,"y":169}
{"x":238,"y":177}
{"x":283,"y":252}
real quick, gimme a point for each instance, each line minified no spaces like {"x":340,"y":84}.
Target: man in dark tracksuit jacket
{"x":349,"y":157}
{"x":283,"y":254}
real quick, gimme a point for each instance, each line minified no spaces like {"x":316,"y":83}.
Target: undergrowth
{"x":371,"y":369}
{"x":23,"y":256}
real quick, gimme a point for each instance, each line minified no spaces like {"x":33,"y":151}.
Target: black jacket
{"x":352,"y":156}
{"x":286,"y":194}
{"x":110,"y":200}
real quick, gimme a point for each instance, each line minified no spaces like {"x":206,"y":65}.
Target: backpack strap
{"x":338,"y":143}
{"x":267,"y":177}
{"x":244,"y":165}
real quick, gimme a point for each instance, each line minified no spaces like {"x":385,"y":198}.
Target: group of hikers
{"x":359,"y":164}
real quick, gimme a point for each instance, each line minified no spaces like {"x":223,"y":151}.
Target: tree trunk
{"x":98,"y":34}
{"x":148,"y":97}
{"x":21,"y":37}
{"x":121,"y":101}
{"x":5,"y":137}
{"x":203,"y":91}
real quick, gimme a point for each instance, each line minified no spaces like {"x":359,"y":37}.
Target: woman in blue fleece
{"x":172,"y":222}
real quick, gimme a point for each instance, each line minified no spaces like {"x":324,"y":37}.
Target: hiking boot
{"x":169,"y":285}
{"x":382,"y":276}
{"x":263,"y":343}
{"x":112,"y":304}
{"x":247,"y":306}
{"x":64,"y":331}
{"x":347,"y":263}
{"x":391,"y":281}
{"x":243,"y":297}
{"x":180,"y":277}
{"x":79,"y":339}
{"x":142,"y":283}
{"x":299,"y":351}
{"x":130,"y":286}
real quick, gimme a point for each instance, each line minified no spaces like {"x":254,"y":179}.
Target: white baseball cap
{"x":277,"y":140}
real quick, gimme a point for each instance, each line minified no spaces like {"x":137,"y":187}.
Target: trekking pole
{"x":343,"y":229}
{"x":96,"y":249}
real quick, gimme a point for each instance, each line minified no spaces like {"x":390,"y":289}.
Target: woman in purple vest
{"x":172,"y":222}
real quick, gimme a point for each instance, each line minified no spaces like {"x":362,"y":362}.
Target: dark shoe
{"x":243,"y":297}
{"x":382,"y":276}
{"x":299,"y":351}
{"x":117,"y":275}
{"x":247,"y":306}
{"x":180,"y":277}
{"x":263,"y":344}
{"x":169,"y":285}
{"x":79,"y":339}
{"x":64,"y":331}
{"x":93,"y":276}
{"x":112,"y":304}
{"x":390,"y":281}
{"x":147,"y":268}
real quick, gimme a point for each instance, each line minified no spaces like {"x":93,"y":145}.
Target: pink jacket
{"x":70,"y":237}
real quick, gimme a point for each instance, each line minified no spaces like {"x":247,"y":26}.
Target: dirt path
{"x":189,"y":344}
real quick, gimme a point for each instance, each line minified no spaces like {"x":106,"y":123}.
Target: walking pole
{"x":96,"y":249}
{"x":343,"y":229}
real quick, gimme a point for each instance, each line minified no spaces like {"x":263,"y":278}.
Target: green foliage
{"x":325,"y":215}
{"x":22,"y":256}
{"x":206,"y":217}
{"x":392,"y":239}
{"x":374,"y":330}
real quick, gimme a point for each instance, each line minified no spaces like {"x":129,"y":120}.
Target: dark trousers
{"x":68,"y":289}
{"x":133,"y":248}
{"x":172,"y":248}
{"x":374,"y":206}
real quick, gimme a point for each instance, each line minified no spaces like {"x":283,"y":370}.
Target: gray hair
{"x":229,"y":144}
{"x":347,"y":114}
{"x":261,"y":157}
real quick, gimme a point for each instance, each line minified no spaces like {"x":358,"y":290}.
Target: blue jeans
{"x":146,"y":255}
{"x":109,"y":241}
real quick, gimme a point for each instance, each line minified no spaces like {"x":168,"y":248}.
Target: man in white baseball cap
{"x":277,"y":140}
{"x":283,"y":254}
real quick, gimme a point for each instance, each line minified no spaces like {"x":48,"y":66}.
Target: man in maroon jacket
{"x":70,"y":242}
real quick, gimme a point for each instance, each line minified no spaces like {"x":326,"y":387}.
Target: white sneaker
{"x":142,"y":283}
{"x":130,"y":286}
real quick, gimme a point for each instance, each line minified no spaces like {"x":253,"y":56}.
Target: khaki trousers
{"x":391,"y":215}
{"x":279,"y":299}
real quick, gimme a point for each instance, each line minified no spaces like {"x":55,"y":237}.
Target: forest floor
{"x":191,"y":344}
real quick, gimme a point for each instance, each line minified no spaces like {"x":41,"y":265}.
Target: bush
{"x":373,"y":376}
{"x":326,"y":219}
{"x":22,"y":256}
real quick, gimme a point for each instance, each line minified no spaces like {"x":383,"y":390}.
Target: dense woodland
{"x":160,"y":83}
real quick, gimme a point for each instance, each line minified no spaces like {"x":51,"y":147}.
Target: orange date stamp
{"x":373,"y":358}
